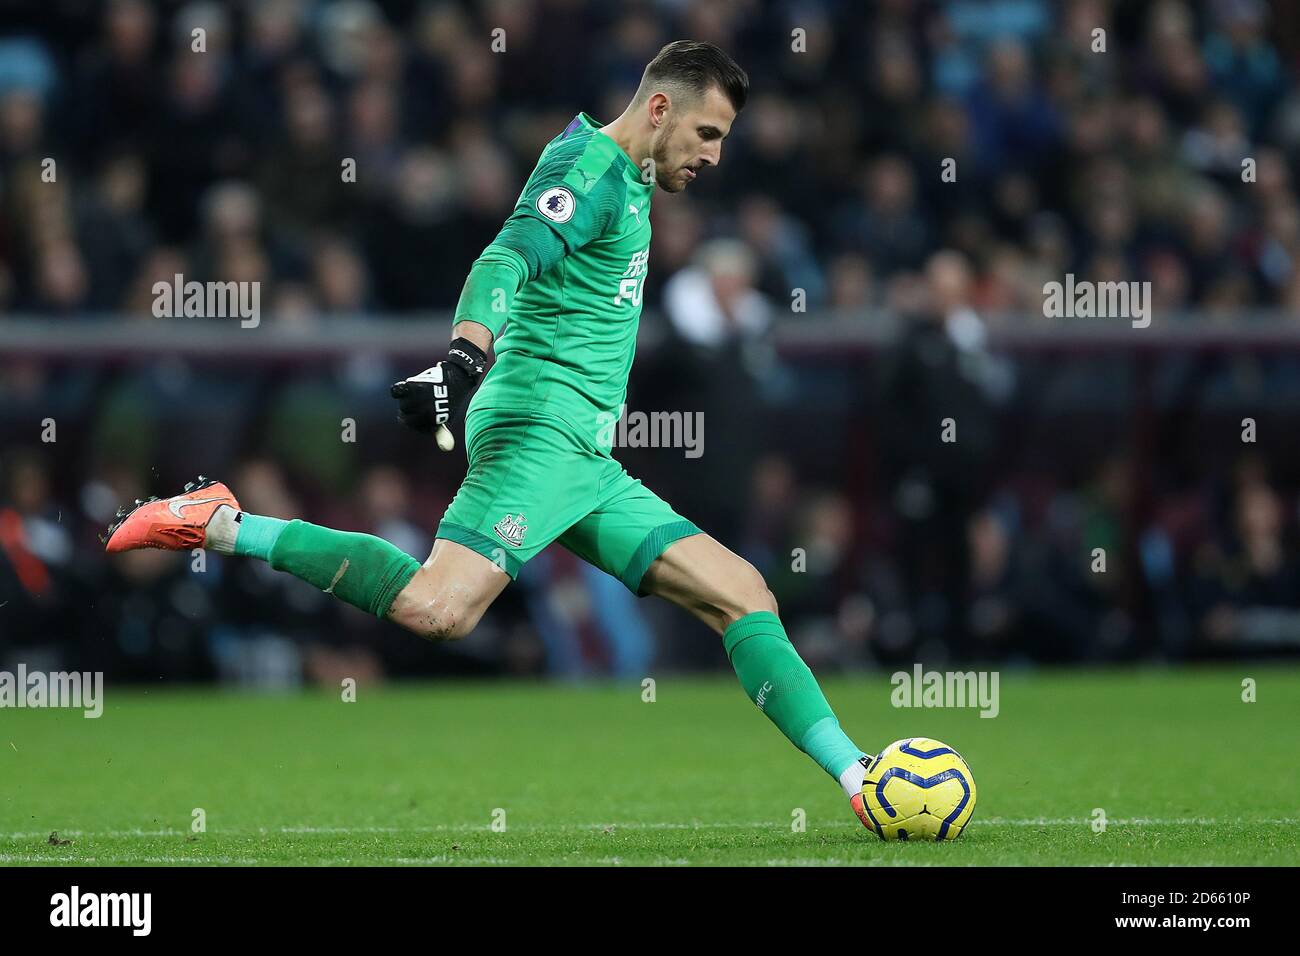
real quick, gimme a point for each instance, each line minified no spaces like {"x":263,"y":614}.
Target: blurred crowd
{"x":1092,"y":508}
{"x":1112,"y":155}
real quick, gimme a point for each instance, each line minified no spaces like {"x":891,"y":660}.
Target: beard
{"x":659,"y":155}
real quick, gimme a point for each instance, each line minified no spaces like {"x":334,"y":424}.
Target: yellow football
{"x":918,"y":789}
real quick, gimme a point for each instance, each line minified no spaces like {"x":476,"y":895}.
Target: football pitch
{"x":1184,"y":771}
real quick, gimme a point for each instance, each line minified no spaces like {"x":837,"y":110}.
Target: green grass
{"x":1185,"y":772}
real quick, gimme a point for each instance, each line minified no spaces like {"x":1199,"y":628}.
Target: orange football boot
{"x":859,"y":804}
{"x":172,"y":524}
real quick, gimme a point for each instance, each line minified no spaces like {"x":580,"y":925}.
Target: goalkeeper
{"x":557,"y":296}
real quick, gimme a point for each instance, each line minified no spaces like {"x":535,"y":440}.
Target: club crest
{"x":511,"y":530}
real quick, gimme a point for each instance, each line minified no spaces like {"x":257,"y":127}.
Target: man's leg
{"x":529,"y":479}
{"x":728,"y":594}
{"x":449,"y":593}
{"x":441,"y":599}
{"x":444,"y":598}
{"x":637,"y":537}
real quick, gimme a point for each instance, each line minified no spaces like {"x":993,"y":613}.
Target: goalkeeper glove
{"x":428,"y":400}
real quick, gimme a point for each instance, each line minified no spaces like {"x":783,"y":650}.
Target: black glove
{"x":428,"y":400}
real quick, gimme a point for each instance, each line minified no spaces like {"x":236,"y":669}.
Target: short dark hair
{"x":697,"y":66}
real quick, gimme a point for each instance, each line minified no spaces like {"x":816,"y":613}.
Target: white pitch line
{"x":463,"y":860}
{"x":839,"y":861}
{"x":613,"y":828}
{"x":496,"y":861}
{"x":437,"y":828}
{"x":36,"y":858}
{"x":671,"y":826}
{"x":74,"y":834}
{"x":1134,"y":821}
{"x":542,"y":827}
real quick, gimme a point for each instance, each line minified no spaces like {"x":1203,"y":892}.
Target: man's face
{"x":690,"y":138}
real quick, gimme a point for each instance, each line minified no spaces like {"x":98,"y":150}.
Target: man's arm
{"x":538,"y":234}
{"x":427,"y":401}
{"x":472,"y":331}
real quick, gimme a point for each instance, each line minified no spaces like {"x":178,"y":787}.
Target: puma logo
{"x":176,"y":505}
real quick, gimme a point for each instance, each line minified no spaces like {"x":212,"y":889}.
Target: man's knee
{"x":748,"y":593}
{"x":716,"y":585}
{"x":434,"y":610}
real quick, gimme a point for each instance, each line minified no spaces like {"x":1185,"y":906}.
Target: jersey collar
{"x":586,"y":119}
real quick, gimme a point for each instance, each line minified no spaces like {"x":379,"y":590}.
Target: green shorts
{"x":531,"y":481}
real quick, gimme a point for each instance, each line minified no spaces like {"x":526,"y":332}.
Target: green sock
{"x":780,"y":683}
{"x":365,"y":571}
{"x":256,"y":536}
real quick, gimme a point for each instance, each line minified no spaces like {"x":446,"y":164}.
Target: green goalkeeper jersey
{"x":570,"y":333}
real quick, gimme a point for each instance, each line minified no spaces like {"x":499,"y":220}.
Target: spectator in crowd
{"x":936,"y":162}
{"x":843,"y":149}
{"x":37,"y":587}
{"x":718,"y":368}
{"x":1245,"y":593}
